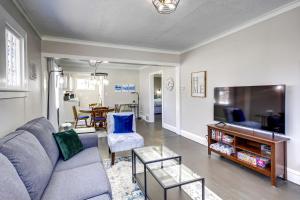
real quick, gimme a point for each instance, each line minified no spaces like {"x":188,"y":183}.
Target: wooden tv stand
{"x":251,"y":141}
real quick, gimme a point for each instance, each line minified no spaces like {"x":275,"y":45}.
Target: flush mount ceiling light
{"x":165,"y":6}
{"x":95,"y":62}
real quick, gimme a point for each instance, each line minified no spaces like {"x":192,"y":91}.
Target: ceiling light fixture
{"x":165,"y":6}
{"x":95,"y":62}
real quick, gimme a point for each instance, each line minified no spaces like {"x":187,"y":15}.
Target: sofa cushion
{"x":11,"y":186}
{"x":89,"y":139}
{"x":68,"y":143}
{"x":101,"y":197}
{"x":78,"y":183}
{"x":42,"y":129}
{"x":30,"y":160}
{"x":85,"y":157}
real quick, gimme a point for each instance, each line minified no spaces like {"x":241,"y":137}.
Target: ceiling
{"x":136,"y":22}
{"x":83,"y":65}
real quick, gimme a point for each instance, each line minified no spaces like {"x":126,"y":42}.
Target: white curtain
{"x":53,"y":91}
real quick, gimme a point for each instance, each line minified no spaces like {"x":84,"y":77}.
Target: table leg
{"x":132,"y":165}
{"x":145,"y":181}
{"x":203,"y":189}
{"x":165,"y":194}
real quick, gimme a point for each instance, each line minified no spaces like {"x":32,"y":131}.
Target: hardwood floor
{"x":227,"y":179}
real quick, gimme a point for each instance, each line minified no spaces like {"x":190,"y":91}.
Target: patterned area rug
{"x":123,"y":188}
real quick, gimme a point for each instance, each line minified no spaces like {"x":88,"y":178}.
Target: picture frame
{"x":118,"y":88}
{"x":198,"y":84}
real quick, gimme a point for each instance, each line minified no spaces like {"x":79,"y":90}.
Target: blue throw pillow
{"x":123,"y":124}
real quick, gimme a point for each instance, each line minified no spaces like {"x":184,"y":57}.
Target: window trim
{"x":23,"y":39}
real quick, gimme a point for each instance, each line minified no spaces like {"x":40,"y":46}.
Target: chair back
{"x":93,"y":104}
{"x":111,"y":121}
{"x":75,"y":112}
{"x":117,"y":108}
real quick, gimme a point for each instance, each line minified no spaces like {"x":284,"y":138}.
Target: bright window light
{"x":14,"y":58}
{"x":85,"y":84}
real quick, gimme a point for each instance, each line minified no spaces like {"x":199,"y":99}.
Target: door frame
{"x":151,"y":96}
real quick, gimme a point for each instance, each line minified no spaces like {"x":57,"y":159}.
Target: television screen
{"x":257,"y":107}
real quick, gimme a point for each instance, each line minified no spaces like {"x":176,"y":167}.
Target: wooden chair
{"x":92,"y":105}
{"x":117,"y":108}
{"x":79,"y":118}
{"x":99,"y":117}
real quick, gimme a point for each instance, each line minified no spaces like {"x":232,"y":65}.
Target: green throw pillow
{"x":68,"y":143}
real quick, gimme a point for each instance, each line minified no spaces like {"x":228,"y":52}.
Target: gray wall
{"x":266,"y":53}
{"x":16,"y":111}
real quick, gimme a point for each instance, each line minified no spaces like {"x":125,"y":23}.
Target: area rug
{"x":123,"y":189}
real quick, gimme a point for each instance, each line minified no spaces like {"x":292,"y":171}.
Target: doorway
{"x":156,"y":97}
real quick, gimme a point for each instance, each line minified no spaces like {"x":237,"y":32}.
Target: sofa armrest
{"x":89,"y":140}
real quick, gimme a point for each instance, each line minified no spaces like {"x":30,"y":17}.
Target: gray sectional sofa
{"x":31,"y":167}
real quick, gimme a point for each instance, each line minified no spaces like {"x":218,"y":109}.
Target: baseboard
{"x":192,"y":136}
{"x":144,"y":118}
{"x":169,"y":127}
{"x":293,"y":176}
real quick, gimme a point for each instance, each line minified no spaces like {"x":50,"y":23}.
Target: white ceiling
{"x":136,"y":22}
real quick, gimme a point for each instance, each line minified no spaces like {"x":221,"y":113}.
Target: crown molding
{"x":262,"y":18}
{"x":27,"y":18}
{"x":71,"y":67}
{"x":109,"y":45}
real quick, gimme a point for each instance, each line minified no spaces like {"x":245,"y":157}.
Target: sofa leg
{"x":113,"y":154}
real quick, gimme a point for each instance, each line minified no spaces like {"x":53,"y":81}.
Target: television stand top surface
{"x":250,"y":134}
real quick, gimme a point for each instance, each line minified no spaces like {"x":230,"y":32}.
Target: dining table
{"x":88,"y":110}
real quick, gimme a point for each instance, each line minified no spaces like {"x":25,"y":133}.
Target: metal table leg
{"x":145,"y":181}
{"x":203,"y":189}
{"x":132,"y":165}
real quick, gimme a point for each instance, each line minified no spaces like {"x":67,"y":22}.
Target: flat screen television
{"x":255,"y":107}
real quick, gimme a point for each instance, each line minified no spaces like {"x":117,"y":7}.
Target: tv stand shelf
{"x":251,"y":142}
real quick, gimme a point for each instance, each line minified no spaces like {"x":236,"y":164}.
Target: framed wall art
{"x":198,"y":84}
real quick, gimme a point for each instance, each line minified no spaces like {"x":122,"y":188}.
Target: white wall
{"x":120,"y":76}
{"x":16,"y":111}
{"x":266,"y":53}
{"x":169,"y":97}
{"x":115,"y":76}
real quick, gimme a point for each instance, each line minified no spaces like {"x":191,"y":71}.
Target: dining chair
{"x":117,"y":108}
{"x":93,"y":104}
{"x":79,"y":117}
{"x":99,"y":117}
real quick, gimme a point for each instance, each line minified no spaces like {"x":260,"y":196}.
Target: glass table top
{"x":154,"y":153}
{"x":172,"y":173}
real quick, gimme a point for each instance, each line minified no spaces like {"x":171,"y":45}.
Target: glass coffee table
{"x":174,"y":175}
{"x":163,"y":172}
{"x":148,"y":155}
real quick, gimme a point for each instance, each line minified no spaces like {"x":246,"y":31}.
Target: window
{"x":85,"y":84}
{"x":14,"y":58}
